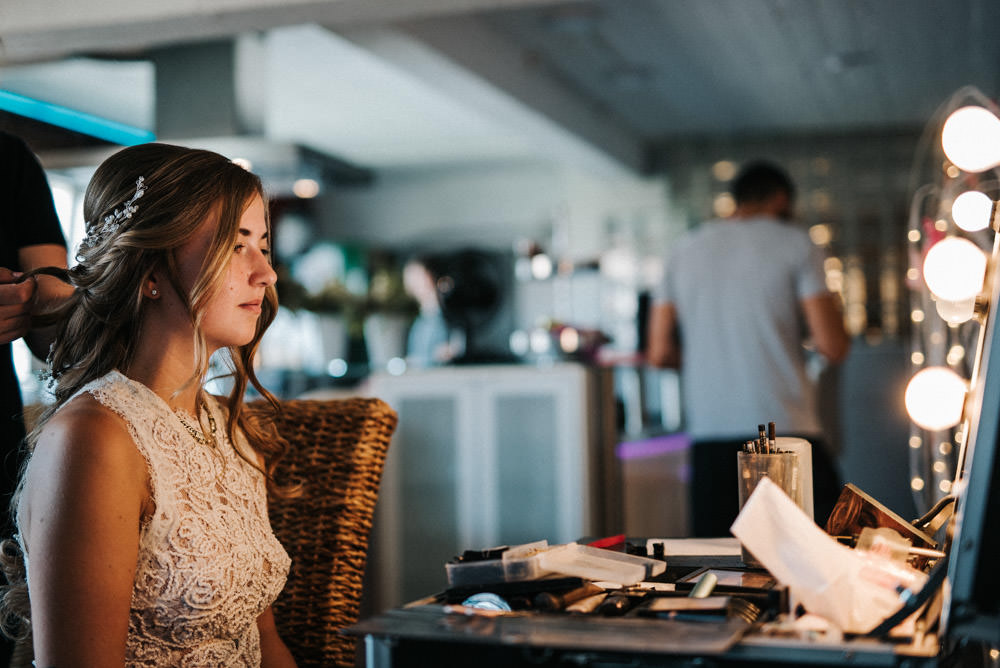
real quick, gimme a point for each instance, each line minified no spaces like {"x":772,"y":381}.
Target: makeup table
{"x":426,"y":633}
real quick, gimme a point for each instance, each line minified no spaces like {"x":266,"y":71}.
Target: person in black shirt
{"x":30,"y":237}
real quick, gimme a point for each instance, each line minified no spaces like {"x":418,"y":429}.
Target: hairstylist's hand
{"x":16,"y":300}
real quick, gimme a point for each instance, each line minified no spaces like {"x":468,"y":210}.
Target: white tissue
{"x":853,"y":590}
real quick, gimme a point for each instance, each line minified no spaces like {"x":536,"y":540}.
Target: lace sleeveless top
{"x":209,"y":563}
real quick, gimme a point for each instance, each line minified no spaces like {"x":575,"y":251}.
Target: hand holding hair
{"x":17,"y":295}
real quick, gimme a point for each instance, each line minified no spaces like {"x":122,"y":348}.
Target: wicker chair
{"x":338,"y":451}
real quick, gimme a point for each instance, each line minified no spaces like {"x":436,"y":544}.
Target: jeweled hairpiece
{"x":113,"y":221}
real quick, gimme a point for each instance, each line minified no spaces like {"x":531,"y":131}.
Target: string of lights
{"x":953,"y":225}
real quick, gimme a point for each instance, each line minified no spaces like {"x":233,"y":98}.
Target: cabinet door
{"x":483,"y":456}
{"x":416,"y":525}
{"x":543,"y":461}
{"x":527,"y":480}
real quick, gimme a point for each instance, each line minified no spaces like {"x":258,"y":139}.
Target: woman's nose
{"x":264,"y":273}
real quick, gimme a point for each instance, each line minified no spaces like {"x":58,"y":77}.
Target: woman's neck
{"x":167,"y":366}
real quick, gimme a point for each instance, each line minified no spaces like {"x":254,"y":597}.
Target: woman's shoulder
{"x":83,"y":461}
{"x":86,"y":441}
{"x":85,"y":420}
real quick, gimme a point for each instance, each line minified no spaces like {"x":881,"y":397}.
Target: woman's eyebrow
{"x":244,"y":232}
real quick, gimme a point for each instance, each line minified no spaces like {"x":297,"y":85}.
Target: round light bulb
{"x":971,"y":139}
{"x":954,"y":269}
{"x":971,"y":211}
{"x":956,"y":312}
{"x":541,"y":266}
{"x":935,"y":397}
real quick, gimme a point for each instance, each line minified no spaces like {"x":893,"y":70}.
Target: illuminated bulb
{"x":396,"y":366}
{"x":971,"y":139}
{"x":954,"y":270}
{"x":337,"y":368}
{"x":569,"y":340}
{"x":935,"y":397}
{"x":724,"y":170}
{"x":305,"y":188}
{"x":541,"y":266}
{"x":971,"y":211}
{"x":539,"y":341}
{"x":724,"y":205}
{"x":519,"y":343}
{"x":955,"y":313}
{"x":820,"y":234}
{"x":955,"y":354}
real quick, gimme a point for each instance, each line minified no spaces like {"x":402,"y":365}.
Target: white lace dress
{"x":208,"y":563}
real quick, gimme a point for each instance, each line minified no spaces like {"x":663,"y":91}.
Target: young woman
{"x":143,"y":510}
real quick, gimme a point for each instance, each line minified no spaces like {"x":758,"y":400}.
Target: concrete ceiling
{"x":607,"y":84}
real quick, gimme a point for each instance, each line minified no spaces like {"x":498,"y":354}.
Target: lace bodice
{"x":208,"y":562}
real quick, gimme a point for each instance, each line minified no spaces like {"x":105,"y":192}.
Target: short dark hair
{"x":759,"y":180}
{"x":434,"y":263}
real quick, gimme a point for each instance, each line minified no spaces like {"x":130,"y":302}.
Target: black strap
{"x":913,"y":602}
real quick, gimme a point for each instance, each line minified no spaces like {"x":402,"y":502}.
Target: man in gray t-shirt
{"x":737,"y":298}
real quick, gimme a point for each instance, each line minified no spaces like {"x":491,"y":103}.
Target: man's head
{"x":763,"y":188}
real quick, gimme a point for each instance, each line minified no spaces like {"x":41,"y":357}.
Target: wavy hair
{"x":97,"y":327}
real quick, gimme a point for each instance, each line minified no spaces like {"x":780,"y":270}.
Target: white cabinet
{"x":489,"y":455}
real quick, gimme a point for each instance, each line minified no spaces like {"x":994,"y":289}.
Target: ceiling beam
{"x":34,"y":30}
{"x":466,"y":60}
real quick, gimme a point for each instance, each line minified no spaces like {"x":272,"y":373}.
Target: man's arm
{"x":826,"y":327}
{"x":47,"y":291}
{"x":663,"y":348}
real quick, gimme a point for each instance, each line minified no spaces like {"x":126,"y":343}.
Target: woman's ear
{"x":151,"y":290}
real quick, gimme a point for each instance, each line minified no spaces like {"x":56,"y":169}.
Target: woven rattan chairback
{"x":338,"y":450}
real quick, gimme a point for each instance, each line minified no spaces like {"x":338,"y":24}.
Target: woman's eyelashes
{"x":264,"y":250}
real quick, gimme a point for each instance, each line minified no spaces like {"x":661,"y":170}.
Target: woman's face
{"x":231,"y":315}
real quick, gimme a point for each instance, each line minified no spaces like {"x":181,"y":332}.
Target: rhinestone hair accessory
{"x":114,"y":220}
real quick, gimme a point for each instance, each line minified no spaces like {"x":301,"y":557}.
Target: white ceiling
{"x":608,"y":83}
{"x":390,"y":103}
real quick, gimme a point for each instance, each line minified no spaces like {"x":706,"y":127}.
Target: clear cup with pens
{"x":759,"y":459}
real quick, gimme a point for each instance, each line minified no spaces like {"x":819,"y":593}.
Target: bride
{"x":142,"y":514}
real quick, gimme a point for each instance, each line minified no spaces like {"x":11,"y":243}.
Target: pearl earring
{"x":154,"y":292}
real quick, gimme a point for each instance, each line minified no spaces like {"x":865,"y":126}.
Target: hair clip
{"x":115,"y":220}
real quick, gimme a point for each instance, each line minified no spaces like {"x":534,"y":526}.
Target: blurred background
{"x":541,"y":157}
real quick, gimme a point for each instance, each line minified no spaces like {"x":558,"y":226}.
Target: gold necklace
{"x":196,"y":432}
